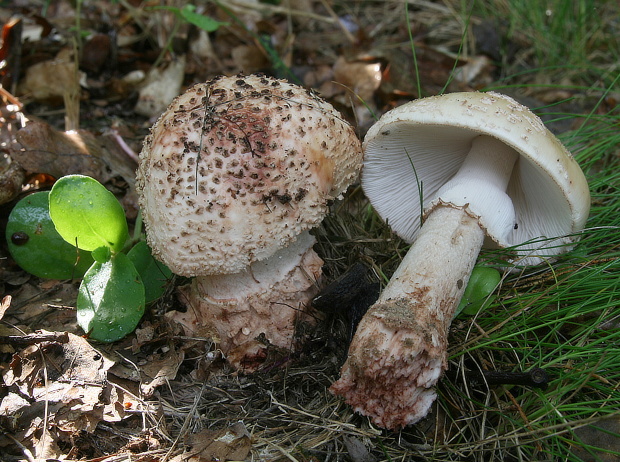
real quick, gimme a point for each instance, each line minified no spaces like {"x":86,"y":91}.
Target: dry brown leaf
{"x":5,"y":305}
{"x":232,"y":443}
{"x":11,"y":179}
{"x":23,"y":370}
{"x":46,"y":150}
{"x":40,"y":148}
{"x":475,"y":73}
{"x":67,"y":382}
{"x":360,"y":77}
{"x":400,"y":78}
{"x":160,"y":88}
{"x":12,"y":118}
{"x":357,"y":450}
{"x":52,"y":79}
{"x":249,"y":57}
{"x":51,"y":307}
{"x":160,"y":369}
{"x":44,"y":446}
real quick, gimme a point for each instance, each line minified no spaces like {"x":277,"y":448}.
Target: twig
{"x":33,"y":339}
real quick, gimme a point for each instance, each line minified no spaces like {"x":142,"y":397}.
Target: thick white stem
{"x":440,"y":260}
{"x":259,"y":307}
{"x":480,"y":185}
{"x":399,"y":350}
{"x":260,"y":276}
{"x":489,"y":163}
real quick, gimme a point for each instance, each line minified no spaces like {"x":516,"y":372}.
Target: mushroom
{"x":231,"y":178}
{"x":479,"y":169}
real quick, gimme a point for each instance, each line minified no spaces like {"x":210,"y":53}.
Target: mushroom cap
{"x":236,"y":168}
{"x":416,"y":148}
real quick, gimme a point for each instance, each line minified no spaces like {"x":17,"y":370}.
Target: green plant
{"x":571,"y":42}
{"x":188,"y":13}
{"x":81,"y":217}
{"x":30,"y":232}
{"x":478,"y":294}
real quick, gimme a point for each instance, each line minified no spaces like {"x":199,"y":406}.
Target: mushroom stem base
{"x":250,"y":312}
{"x":399,"y":350}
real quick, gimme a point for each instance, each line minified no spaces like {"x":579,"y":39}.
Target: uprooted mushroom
{"x":231,"y":178}
{"x":479,"y":170}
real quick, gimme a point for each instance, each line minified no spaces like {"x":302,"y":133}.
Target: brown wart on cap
{"x":231,"y":177}
{"x":491,"y":175}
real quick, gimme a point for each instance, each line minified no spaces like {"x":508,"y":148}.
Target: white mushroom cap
{"x":236,"y":168}
{"x":413,"y":150}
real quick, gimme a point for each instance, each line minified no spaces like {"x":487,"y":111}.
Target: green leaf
{"x":102,"y":254}
{"x":110,"y":301}
{"x":36,"y":246}
{"x":188,"y":12}
{"x":86,"y":213}
{"x":478,"y":293}
{"x":155,"y":275}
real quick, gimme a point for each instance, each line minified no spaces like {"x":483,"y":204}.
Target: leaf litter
{"x":158,"y":395}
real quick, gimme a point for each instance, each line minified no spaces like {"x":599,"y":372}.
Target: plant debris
{"x":81,"y":83}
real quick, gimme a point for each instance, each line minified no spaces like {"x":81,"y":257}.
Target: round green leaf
{"x":35,"y":244}
{"x":84,"y":211}
{"x":110,"y":301}
{"x":155,"y":275}
{"x":477,"y":296}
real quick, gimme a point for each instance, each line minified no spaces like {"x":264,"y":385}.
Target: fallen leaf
{"x":160,"y":369}
{"x":40,"y":148}
{"x":232,"y":443}
{"x":476,"y":72}
{"x":400,"y":76}
{"x":5,"y":305}
{"x":11,"y":178}
{"x":160,"y":88}
{"x":43,"y":149}
{"x":250,"y":58}
{"x":52,"y":308}
{"x":51,"y":79}
{"x":70,"y":384}
{"x":357,"y":449}
{"x":97,"y":53}
{"x":44,"y":446}
{"x":362,"y":78}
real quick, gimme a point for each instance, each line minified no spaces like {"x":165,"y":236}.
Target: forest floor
{"x":82,"y":83}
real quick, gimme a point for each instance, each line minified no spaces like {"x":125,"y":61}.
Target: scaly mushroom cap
{"x":421,"y":145}
{"x":236,"y":168}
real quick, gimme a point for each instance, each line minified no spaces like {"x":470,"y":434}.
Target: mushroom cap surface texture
{"x":236,"y":168}
{"x":414,"y":149}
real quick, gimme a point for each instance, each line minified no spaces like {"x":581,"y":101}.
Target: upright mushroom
{"x":480,"y":170}
{"x":231,"y":177}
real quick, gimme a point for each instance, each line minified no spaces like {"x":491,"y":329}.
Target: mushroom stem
{"x":258,"y":307}
{"x":400,"y":348}
{"x":480,"y":186}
